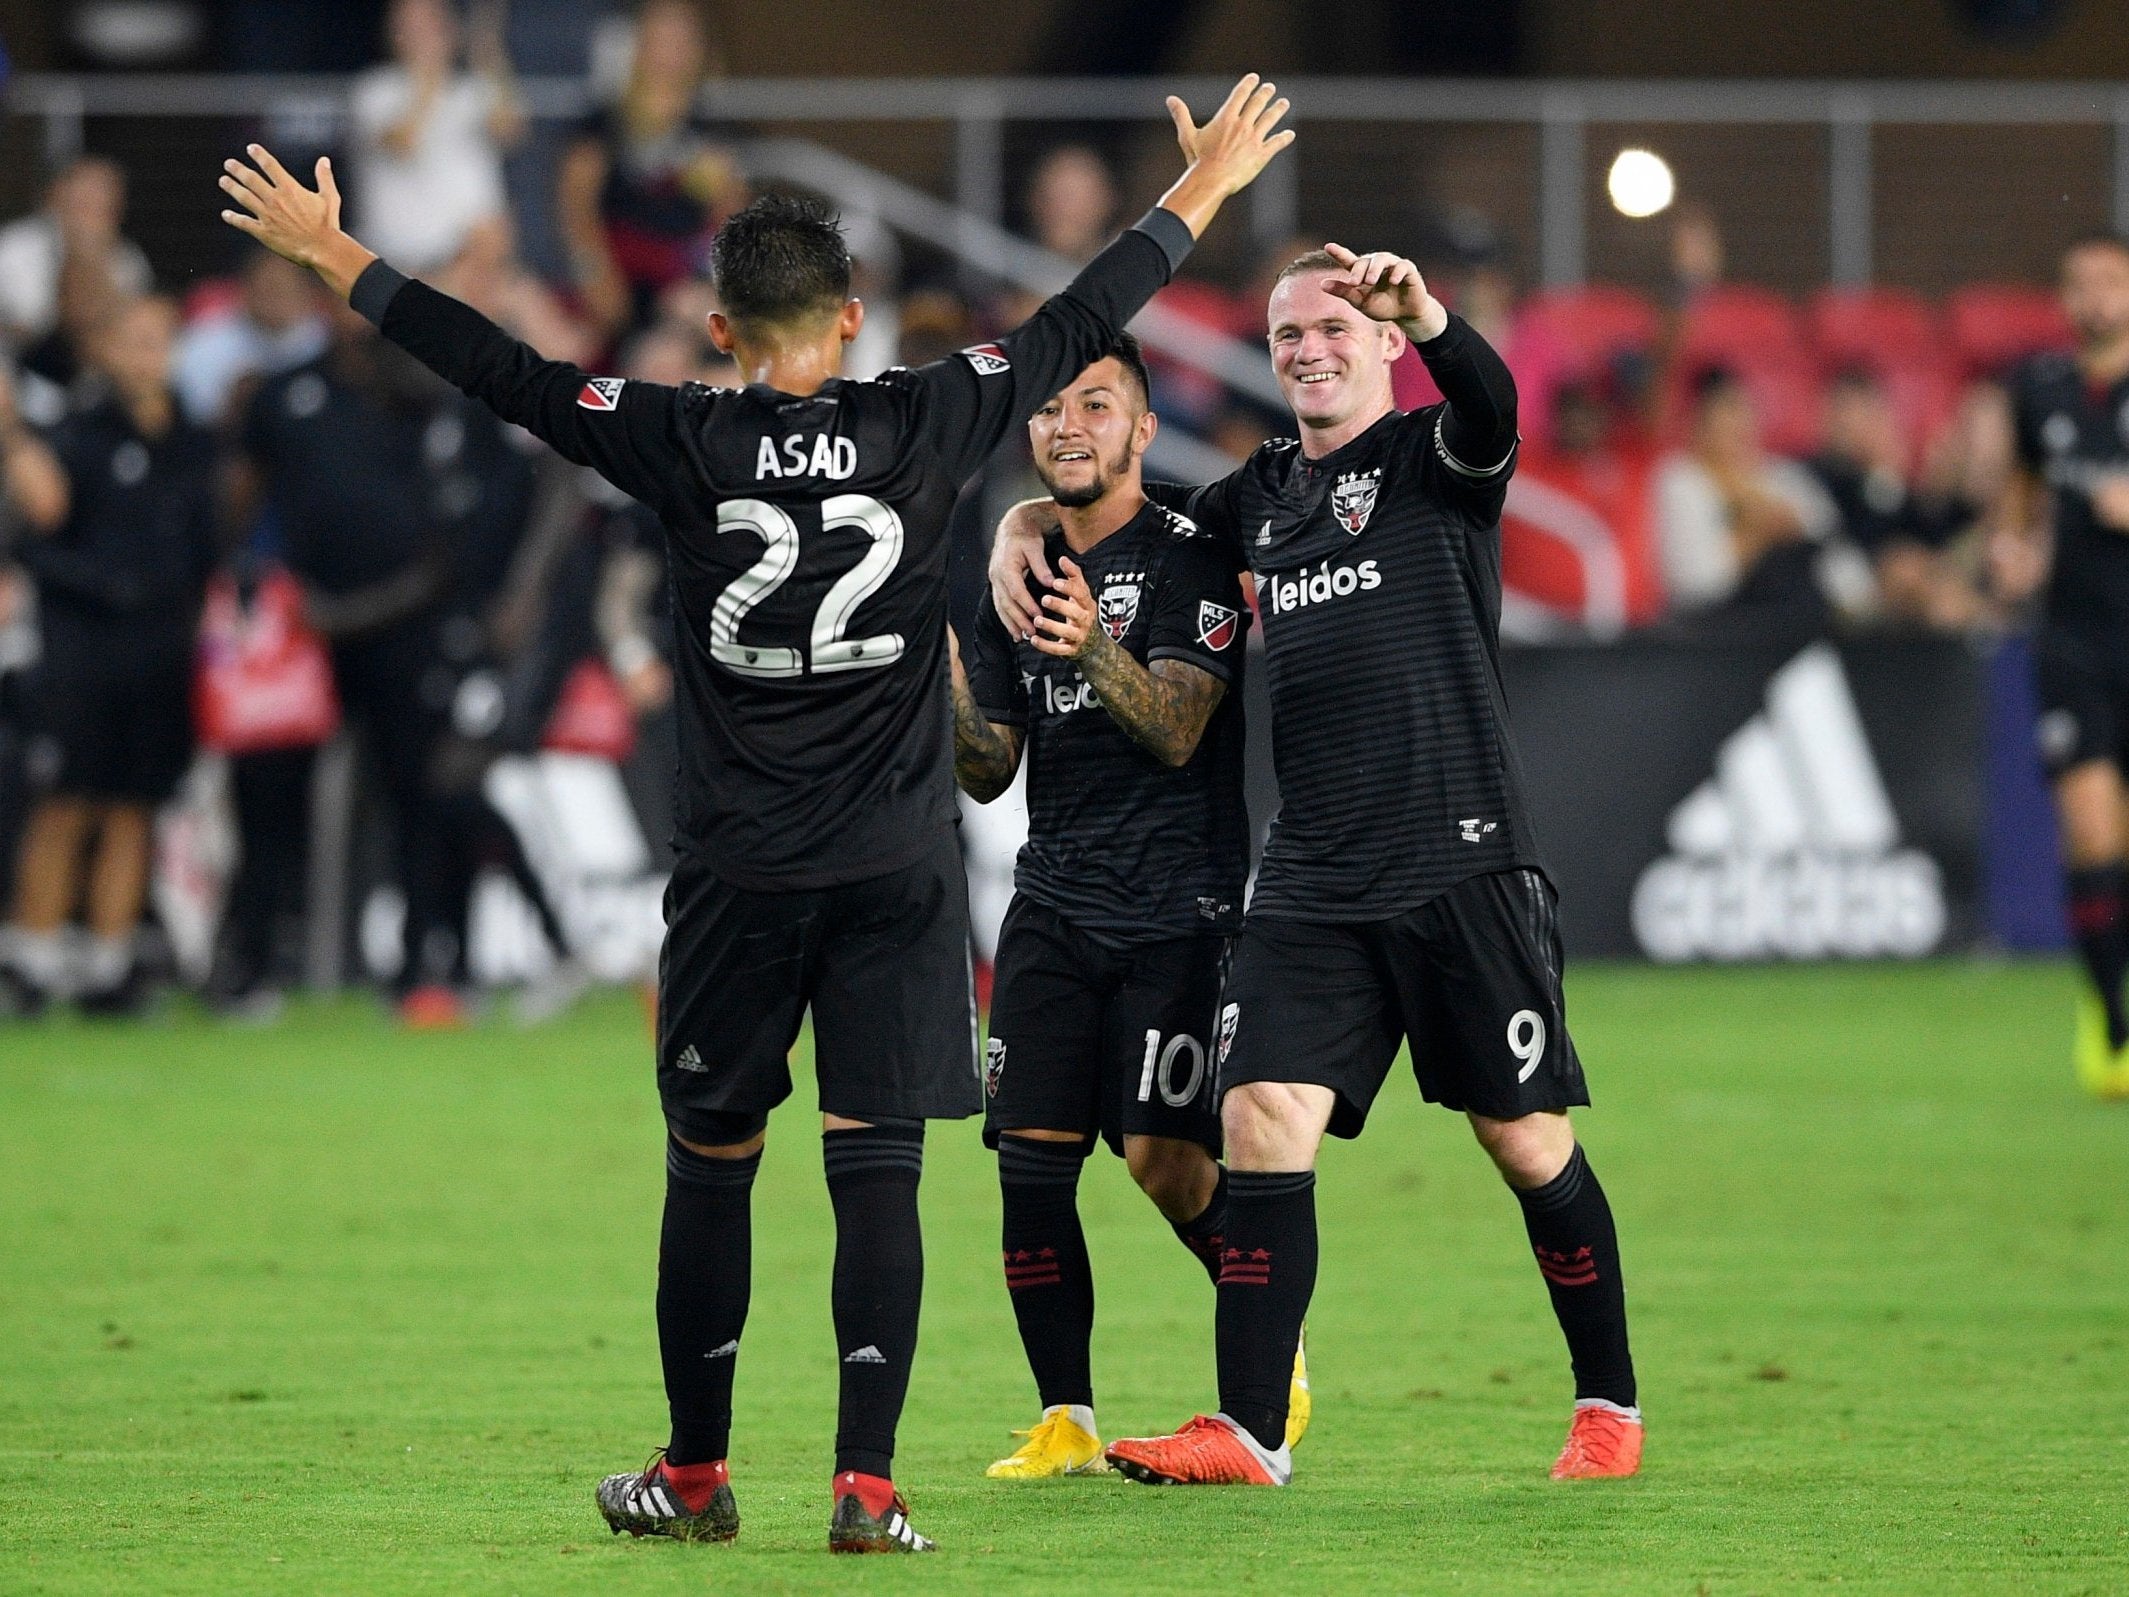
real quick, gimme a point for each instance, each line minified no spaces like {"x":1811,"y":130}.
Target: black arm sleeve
{"x":994,"y":680}
{"x":1211,"y":508}
{"x":625,"y":431}
{"x":1475,"y":435}
{"x":970,"y":399}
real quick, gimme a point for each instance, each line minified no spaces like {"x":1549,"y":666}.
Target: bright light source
{"x":1640,"y":183}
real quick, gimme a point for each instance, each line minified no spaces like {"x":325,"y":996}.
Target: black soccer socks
{"x":1207,"y":1234}
{"x":1046,"y":1268}
{"x":1267,"y":1275}
{"x":2102,"y":939}
{"x":705,"y":1268}
{"x":1577,"y":1247}
{"x":879,"y":1283}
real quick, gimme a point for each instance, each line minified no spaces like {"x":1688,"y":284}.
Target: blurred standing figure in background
{"x":63,"y":269}
{"x":120,"y":508}
{"x":644,"y":186}
{"x":2075,"y":474}
{"x":429,"y":138}
{"x":275,"y":324}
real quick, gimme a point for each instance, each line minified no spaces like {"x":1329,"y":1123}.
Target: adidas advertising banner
{"x":1734,"y":802}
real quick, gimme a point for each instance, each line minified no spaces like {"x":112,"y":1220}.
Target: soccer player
{"x":1400,"y":897}
{"x":2075,"y":460}
{"x":1124,"y":704}
{"x":806,"y":521}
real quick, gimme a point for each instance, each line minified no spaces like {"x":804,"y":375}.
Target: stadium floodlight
{"x":1640,"y":183}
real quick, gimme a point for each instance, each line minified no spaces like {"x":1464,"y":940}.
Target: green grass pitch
{"x":328,"y":1309}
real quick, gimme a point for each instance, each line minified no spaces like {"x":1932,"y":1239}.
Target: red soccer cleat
{"x":1209,"y":1451}
{"x":1603,"y":1443}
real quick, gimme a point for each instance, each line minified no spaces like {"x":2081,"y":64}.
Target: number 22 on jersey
{"x":827,"y":649}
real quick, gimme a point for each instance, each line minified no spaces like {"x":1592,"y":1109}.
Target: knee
{"x":1528,"y":1151}
{"x":1177,"y":1176}
{"x":1268,"y":1125}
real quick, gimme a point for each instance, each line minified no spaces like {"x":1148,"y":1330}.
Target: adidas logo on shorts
{"x":690,"y":1060}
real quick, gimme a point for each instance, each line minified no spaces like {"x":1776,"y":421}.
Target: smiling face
{"x":2095,"y":291}
{"x":1333,"y":363}
{"x":1088,"y":438}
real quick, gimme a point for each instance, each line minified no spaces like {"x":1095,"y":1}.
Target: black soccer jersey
{"x":1378,"y":574}
{"x":807,"y":543}
{"x":1125,"y":847}
{"x":2071,"y":434}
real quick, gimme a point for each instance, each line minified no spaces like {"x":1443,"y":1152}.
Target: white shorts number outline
{"x":1526,"y":1040}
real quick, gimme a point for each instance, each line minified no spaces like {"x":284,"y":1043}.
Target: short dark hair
{"x":781,"y":259}
{"x":1312,"y":261}
{"x":2097,"y":238}
{"x":1129,"y":353}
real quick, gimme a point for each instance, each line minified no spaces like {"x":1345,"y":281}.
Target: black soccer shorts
{"x":120,"y":735}
{"x":1471,"y":979}
{"x":1091,"y":1038}
{"x":884,"y":966}
{"x":2084,"y":703}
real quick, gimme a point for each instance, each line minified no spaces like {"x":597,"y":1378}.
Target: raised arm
{"x":1478,"y":424}
{"x":622,"y":430}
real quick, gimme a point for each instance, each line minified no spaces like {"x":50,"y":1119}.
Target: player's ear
{"x":1394,"y":342}
{"x":721,"y":332}
{"x":850,"y":318}
{"x":1143,"y":434}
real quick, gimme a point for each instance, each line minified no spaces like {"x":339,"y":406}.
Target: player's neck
{"x":2106,"y":362}
{"x":1086,"y":525}
{"x":1316,"y":442}
{"x":797,"y":366}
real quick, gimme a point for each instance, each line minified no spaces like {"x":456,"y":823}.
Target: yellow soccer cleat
{"x":1057,"y":1445}
{"x":1298,"y":1403}
{"x":2102,"y":1070}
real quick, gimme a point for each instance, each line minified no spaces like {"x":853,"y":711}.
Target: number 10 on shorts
{"x":1158,"y":1069}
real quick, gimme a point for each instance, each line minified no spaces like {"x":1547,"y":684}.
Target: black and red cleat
{"x":688,"y":1502}
{"x":871,"y":1517}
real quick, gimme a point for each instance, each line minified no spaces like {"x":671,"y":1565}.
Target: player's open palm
{"x":1241,"y":137}
{"x":1381,"y":286}
{"x":294,"y":222}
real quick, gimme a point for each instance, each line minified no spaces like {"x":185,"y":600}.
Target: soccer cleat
{"x":1212,"y":1450}
{"x":651,"y":1502}
{"x":1057,"y":1445}
{"x":1299,"y":1405}
{"x":1603,"y":1443}
{"x":871,"y":1517}
{"x":432,"y":1007}
{"x":2102,"y":1069}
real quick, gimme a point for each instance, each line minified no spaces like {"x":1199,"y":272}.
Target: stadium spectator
{"x":429,"y":138}
{"x":645,"y":183}
{"x":337,"y":447}
{"x":64,"y":268}
{"x":1593,"y":464}
{"x":120,"y":510}
{"x":1861,"y":465}
{"x":1741,"y":529}
{"x":276,"y":323}
{"x":1072,"y":203}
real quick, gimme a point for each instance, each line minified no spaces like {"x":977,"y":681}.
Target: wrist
{"x":1429,"y":324}
{"x":339,"y":260}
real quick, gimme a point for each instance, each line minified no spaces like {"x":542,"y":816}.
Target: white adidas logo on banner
{"x":1791,"y":849}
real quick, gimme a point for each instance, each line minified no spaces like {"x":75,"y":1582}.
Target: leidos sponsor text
{"x":1326,"y":582}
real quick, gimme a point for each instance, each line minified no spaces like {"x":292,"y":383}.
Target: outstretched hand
{"x":1228,"y":152}
{"x":1385,"y":288}
{"x":296,"y":223}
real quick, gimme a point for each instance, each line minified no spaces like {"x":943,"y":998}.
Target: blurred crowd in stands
{"x":236,"y":522}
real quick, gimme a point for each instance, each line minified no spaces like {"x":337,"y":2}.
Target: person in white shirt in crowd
{"x":275,"y":325}
{"x":1738,"y":528}
{"x":429,"y":138}
{"x":75,"y":235}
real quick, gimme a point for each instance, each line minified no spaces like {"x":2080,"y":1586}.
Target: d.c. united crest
{"x":1230,"y":1022}
{"x":1353,"y":498}
{"x":1118,"y":608}
{"x":993,"y":1065}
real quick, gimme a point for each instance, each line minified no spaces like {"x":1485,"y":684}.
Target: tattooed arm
{"x":986,"y":754}
{"x":1165,"y":709}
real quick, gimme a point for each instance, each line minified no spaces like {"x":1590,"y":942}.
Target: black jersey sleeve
{"x":968,"y":400}
{"x":1473,"y":431}
{"x":623,"y":429}
{"x":2026,"y":417}
{"x":994,"y":679}
{"x":1198,"y":613}
{"x":1215,"y":508}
